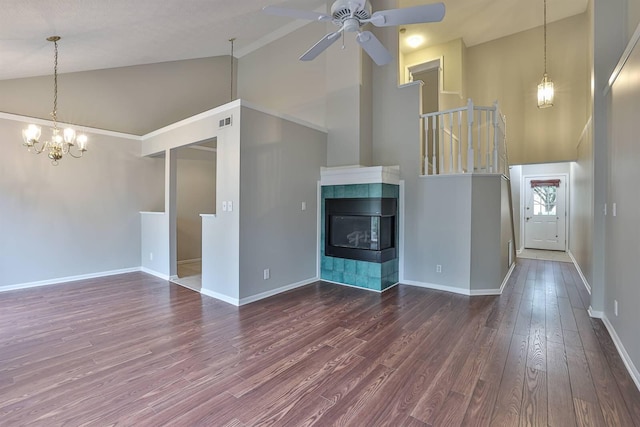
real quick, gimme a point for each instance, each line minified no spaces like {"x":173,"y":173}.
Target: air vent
{"x":225,"y":122}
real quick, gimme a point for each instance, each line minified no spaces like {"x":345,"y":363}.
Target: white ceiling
{"x":99,"y":34}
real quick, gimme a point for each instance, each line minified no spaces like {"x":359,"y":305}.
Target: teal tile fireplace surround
{"x":362,"y":274}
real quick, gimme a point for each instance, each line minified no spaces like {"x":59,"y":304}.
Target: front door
{"x":545,"y":208}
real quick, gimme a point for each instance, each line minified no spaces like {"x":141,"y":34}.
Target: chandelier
{"x":545,"y":88}
{"x":61,"y":142}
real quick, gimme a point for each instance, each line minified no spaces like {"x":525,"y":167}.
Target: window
{"x":545,"y":198}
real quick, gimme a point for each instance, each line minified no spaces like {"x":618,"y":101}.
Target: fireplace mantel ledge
{"x":344,"y":175}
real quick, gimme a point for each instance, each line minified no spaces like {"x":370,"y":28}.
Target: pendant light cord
{"x":545,"y":37}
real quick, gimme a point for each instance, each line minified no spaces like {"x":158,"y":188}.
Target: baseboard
{"x":504,"y":281}
{"x":435,"y":287}
{"x":360,"y":287}
{"x":628,"y":363}
{"x":462,"y":291}
{"x":267,"y":294}
{"x":155,"y":273}
{"x":595,"y":314}
{"x":189,"y":261}
{"x":256,"y":297}
{"x":584,"y":279}
{"x":67,"y":279}
{"x":221,"y":297}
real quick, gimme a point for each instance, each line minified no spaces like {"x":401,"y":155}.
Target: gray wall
{"x":609,"y":41}
{"x":273,"y":77}
{"x":280,"y":165}
{"x":515,"y":173}
{"x":581,"y":206}
{"x":490,"y":231}
{"x":80,"y":217}
{"x":622,"y":231}
{"x":196,"y":194}
{"x":135,"y":100}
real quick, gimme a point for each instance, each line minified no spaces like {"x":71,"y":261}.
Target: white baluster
{"x":470,"y":154}
{"x":441,"y":168}
{"x":434,"y":141}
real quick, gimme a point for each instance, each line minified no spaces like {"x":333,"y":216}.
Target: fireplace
{"x":361,"y":229}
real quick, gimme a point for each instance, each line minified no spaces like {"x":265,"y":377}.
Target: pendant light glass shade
{"x":545,"y":92}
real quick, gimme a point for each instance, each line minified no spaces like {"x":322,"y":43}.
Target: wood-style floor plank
{"x":135,"y":350}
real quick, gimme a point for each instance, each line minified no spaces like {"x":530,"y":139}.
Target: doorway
{"x":545,"y":206}
{"x":195,"y":195}
{"x":430,"y":75}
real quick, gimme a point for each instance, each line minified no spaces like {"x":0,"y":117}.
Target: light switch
{"x":230,"y":206}
{"x":304,"y":206}
{"x":224,"y":206}
{"x":614,"y":211}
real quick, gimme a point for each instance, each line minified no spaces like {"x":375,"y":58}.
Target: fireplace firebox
{"x":361,"y":229}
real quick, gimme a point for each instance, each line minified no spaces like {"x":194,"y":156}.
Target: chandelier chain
{"x":54,"y":113}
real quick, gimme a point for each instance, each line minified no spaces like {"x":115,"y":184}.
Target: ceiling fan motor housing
{"x":341,"y":14}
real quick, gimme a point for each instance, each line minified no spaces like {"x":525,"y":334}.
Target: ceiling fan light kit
{"x":351,"y":15}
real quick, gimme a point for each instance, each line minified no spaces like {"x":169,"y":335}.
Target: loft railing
{"x":469,"y":139}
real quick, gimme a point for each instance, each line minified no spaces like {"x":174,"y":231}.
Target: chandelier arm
{"x":74,"y":155}
{"x":35,"y":148}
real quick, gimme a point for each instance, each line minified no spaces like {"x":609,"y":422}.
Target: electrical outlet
{"x":150,"y":256}
{"x":267,"y":274}
{"x":615,"y":307}
{"x":438,"y":268}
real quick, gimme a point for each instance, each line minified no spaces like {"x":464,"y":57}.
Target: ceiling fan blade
{"x":374,"y":48}
{"x":408,"y":15}
{"x":320,"y":47}
{"x":296,"y":13}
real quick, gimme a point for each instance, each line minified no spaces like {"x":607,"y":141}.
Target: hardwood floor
{"x":136,"y":350}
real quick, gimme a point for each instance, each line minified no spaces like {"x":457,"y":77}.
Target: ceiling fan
{"x":352,"y":15}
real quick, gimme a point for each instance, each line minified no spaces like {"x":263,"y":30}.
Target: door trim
{"x":523,"y":202}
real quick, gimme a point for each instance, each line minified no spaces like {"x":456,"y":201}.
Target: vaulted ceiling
{"x":99,"y":34}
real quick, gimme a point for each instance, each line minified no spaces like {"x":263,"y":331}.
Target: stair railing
{"x":469,"y":139}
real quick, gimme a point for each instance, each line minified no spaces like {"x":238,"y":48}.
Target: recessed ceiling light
{"x":415,"y":40}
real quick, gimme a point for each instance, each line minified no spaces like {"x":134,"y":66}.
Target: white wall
{"x":80,"y":217}
{"x":196,"y":194}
